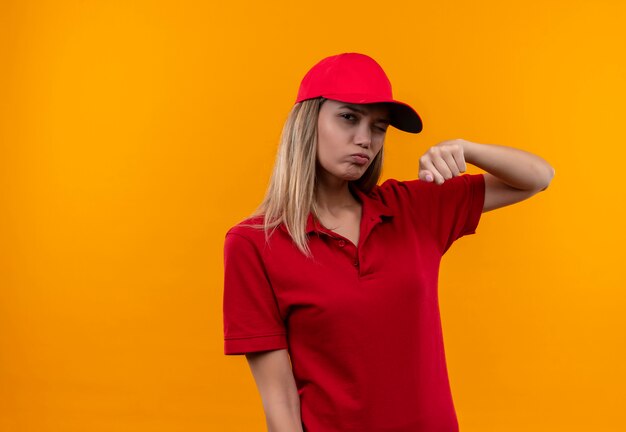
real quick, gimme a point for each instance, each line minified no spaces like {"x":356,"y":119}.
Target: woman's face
{"x":349,"y":137}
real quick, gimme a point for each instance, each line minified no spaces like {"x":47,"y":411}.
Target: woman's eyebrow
{"x":360,"y":111}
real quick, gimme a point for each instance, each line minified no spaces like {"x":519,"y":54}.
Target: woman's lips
{"x":360,"y":159}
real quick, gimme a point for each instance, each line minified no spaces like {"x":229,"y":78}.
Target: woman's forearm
{"x":283,"y":417}
{"x":277,"y":386}
{"x":518,"y":168}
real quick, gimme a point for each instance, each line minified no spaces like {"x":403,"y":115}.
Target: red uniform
{"x":361,"y":324}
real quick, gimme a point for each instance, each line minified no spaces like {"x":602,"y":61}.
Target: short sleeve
{"x":252,"y":321}
{"x":450,"y":210}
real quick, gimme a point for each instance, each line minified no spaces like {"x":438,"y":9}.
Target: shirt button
{"x":342,"y":243}
{"x":356,"y":263}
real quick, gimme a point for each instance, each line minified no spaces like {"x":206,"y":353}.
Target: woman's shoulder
{"x":252,"y":228}
{"x":392,"y":185}
{"x":249,"y":234}
{"x":393,"y":188}
{"x":398,"y":193}
{"x":247,"y":225}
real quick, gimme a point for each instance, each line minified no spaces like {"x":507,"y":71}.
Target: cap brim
{"x":404,"y":117}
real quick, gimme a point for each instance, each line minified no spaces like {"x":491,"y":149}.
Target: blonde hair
{"x":290,"y":195}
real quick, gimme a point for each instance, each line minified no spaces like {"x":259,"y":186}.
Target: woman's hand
{"x":443,"y":161}
{"x":512,"y":174}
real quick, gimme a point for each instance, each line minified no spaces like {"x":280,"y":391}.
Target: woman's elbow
{"x":545,"y":177}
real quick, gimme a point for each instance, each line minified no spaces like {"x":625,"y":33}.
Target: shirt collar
{"x":373,"y":208}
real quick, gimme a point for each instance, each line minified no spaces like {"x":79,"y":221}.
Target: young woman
{"x":330,"y":287}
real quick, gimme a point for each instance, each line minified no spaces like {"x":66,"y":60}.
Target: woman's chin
{"x":355,"y":172}
{"x":352,"y":177}
{"x":351,"y":174}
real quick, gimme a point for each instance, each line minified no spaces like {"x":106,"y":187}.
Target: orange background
{"x":134,"y":134}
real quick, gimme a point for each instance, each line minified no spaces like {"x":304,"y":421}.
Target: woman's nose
{"x":363,"y":136}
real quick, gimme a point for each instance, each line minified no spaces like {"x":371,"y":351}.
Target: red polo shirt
{"x":361,"y":324}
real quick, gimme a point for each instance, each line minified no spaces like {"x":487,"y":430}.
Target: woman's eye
{"x":347,"y":115}
{"x":351,"y":118}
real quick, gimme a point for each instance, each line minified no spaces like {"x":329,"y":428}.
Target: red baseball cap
{"x":357,"y":78}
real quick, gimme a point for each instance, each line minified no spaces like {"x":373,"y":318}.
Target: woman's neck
{"x":333,"y":195}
